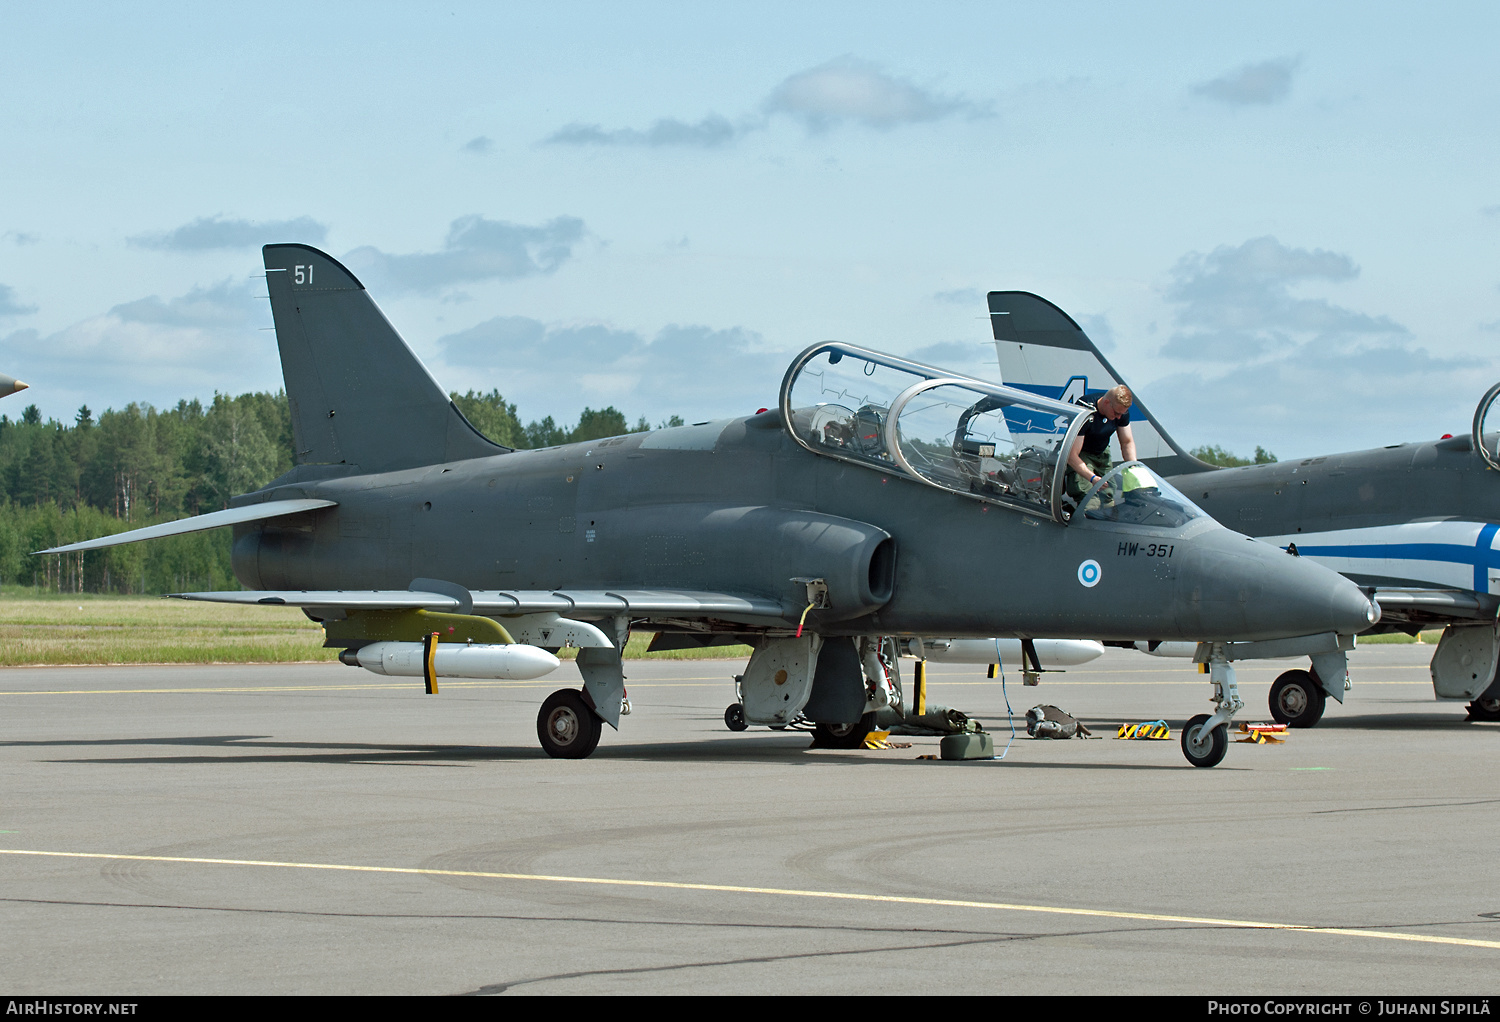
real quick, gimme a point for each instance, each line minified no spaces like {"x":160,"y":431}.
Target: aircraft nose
{"x":1260,"y":591}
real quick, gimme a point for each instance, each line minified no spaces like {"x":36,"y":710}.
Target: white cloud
{"x":1298,"y":375}
{"x":1261,"y":84}
{"x":711,"y":132}
{"x":844,"y":90}
{"x":153,"y":349}
{"x":694,"y":371}
{"x":1236,"y":302}
{"x":847,"y":89}
{"x":10,"y":305}
{"x":475,"y":250}
{"x":215,"y":232}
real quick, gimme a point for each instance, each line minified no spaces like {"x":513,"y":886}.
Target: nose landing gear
{"x":1206,"y":737}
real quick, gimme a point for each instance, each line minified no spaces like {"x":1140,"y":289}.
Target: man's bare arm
{"x":1127,"y":443}
{"x":1075,"y":462}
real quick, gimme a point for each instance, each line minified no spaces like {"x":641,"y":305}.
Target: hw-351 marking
{"x":1144,"y":550}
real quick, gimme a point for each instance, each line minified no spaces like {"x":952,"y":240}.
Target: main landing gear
{"x":1484,"y":709}
{"x":567,"y":725}
{"x":844,"y":736}
{"x":1298,"y":699}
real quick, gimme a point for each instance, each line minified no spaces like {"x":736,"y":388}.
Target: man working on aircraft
{"x":1089,"y":458}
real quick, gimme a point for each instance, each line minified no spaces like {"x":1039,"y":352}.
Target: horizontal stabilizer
{"x":212,"y":520}
{"x":569,"y":603}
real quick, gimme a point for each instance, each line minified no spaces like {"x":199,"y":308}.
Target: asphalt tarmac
{"x":319,"y":829}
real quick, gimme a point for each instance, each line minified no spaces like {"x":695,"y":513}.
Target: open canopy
{"x":979,"y":439}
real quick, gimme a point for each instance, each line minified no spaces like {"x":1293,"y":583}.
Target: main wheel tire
{"x":1201,"y":750}
{"x":734,"y":717}
{"x":1297,"y":700}
{"x":1484,"y":709}
{"x":844,"y":736}
{"x":567,"y":727}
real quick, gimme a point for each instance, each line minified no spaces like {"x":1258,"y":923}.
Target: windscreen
{"x":1134,"y":495}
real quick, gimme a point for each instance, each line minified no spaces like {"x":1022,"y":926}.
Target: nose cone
{"x":1240,"y":588}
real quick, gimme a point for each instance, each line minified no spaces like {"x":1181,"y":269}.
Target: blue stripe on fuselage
{"x":1479,"y":555}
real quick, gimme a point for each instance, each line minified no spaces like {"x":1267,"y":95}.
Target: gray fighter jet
{"x":882,"y":498}
{"x":10,"y":385}
{"x":1415,"y":524}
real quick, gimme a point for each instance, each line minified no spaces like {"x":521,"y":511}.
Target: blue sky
{"x":1280,"y":220}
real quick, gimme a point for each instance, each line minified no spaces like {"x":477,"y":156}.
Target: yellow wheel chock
{"x":1262,"y":734}
{"x":1156,"y":730}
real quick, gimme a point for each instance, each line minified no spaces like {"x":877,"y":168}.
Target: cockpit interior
{"x":983,"y":440}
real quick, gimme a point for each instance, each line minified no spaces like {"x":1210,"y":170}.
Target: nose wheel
{"x":1204,"y":747}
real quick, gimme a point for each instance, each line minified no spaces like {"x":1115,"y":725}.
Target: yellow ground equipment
{"x":1152,"y":729}
{"x":1262,"y":734}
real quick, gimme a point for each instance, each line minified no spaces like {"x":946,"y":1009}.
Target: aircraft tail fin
{"x":358,"y":394}
{"x":1041,"y":349}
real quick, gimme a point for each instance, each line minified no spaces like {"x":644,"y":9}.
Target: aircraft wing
{"x":1433,"y":606}
{"x":576,"y":603}
{"x":1041,"y":349}
{"x":212,"y":520}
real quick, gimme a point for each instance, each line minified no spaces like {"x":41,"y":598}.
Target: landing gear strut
{"x":567,"y":726}
{"x":1297,"y":699}
{"x":1206,"y":738}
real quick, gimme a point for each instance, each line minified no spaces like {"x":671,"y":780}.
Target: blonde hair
{"x":1120,"y":396}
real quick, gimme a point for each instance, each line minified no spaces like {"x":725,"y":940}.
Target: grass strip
{"x":83,"y":629}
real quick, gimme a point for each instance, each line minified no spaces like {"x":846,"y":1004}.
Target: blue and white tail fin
{"x":1042,"y":350}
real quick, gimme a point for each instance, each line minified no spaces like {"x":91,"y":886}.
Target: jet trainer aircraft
{"x":10,"y":385}
{"x":1414,"y":524}
{"x":883,"y":498}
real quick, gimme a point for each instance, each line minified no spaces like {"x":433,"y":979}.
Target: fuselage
{"x":1415,"y":515}
{"x":900,"y":556}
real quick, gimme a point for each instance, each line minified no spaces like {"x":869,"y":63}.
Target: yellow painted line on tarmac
{"x":889,"y":899}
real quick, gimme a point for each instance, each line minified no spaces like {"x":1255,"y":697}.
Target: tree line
{"x":136,"y":466}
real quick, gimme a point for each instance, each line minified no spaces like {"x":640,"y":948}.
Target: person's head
{"x":1115,"y":402}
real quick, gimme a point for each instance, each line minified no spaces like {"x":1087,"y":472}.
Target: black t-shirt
{"x":1098,"y":430}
